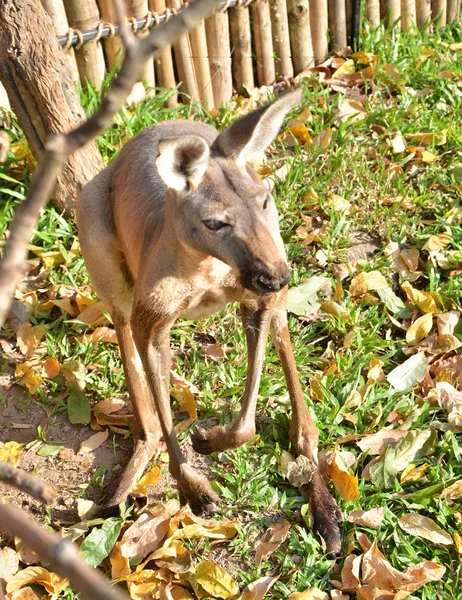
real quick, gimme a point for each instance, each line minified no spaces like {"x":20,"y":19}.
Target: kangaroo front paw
{"x":194,"y":489}
{"x":219,"y":439}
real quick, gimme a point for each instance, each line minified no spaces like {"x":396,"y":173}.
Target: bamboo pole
{"x":241,"y":44}
{"x":201,"y":63}
{"x":138,"y":9}
{"x":423,"y":13}
{"x":55,"y":8}
{"x":281,"y":38}
{"x":372,"y":12}
{"x":391,"y":12}
{"x":408,"y":10}
{"x":257,"y":50}
{"x":262,"y":25}
{"x":452,"y":14}
{"x":112,"y":45}
{"x":337,"y":24}
{"x":319,"y":25}
{"x":349,"y":17}
{"x":184,"y":61}
{"x":164,"y":63}
{"x":439,"y":16}
{"x":90,"y":59}
{"x":300,"y":34}
{"x":217,"y":31}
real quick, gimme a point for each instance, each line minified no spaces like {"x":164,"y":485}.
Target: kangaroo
{"x":179,"y":225}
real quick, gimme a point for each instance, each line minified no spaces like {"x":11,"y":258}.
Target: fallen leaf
{"x":258,"y":589}
{"x":453,"y":492}
{"x":109,"y":406}
{"x":215,"y":580}
{"x":447,"y":322}
{"x":271,"y":540}
{"x":213,"y":351}
{"x":412,"y":473}
{"x":419,"y":329}
{"x":345,"y":483}
{"x":397,"y":142}
{"x":350,"y":573}
{"x":313,"y":593}
{"x":9,"y":563}
{"x":426,"y":528}
{"x":423,"y":300}
{"x":150,"y":478}
{"x":175,"y":592}
{"x":377,"y":442}
{"x":50,"y":368}
{"x":284,"y":461}
{"x":100,"y":334}
{"x":93,"y":314}
{"x":366,"y":282}
{"x":93,"y":442}
{"x":26,"y":555}
{"x":334,"y":309}
{"x":87,"y":509}
{"x":11,"y":452}
{"x":426,"y":139}
{"x":437,"y":241}
{"x":185,"y":399}
{"x":340,"y":204}
{"x":28,"y":376}
{"x":78,"y":406}
{"x":409,"y":373}
{"x":370,"y":518}
{"x":451,"y":400}
{"x":99,"y":543}
{"x":52,"y":582}
{"x":27,"y":342}
{"x":146,"y":533}
{"x":303,"y":299}
{"x":71,"y":370}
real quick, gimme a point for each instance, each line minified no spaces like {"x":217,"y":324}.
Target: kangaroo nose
{"x":268,"y":285}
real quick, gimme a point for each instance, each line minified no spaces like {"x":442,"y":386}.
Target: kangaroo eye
{"x":265,"y":203}
{"x":214,"y":224}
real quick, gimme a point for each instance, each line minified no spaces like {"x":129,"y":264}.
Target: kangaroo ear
{"x":246,"y":138}
{"x":182,"y":161}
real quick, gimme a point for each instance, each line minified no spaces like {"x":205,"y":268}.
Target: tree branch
{"x":27,"y":483}
{"x":59,"y":148}
{"x":61,"y":555}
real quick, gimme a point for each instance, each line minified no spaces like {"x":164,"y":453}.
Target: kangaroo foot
{"x":119,"y":487}
{"x":219,"y":439}
{"x":326,"y":514}
{"x":194,"y":488}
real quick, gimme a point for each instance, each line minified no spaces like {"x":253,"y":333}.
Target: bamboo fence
{"x":244,"y":44}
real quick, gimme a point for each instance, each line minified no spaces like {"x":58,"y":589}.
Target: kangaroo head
{"x":222,"y":207}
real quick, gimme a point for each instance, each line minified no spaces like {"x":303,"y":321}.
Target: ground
{"x":368,"y":180}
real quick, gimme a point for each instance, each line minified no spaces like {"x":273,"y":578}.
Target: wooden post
{"x":372,"y":12}
{"x":257,"y":50}
{"x":184,"y":61}
{"x":300,"y":34}
{"x":281,"y":38}
{"x":41,"y":92}
{"x":348,"y":16}
{"x":112,"y":45}
{"x":391,"y":12}
{"x":201,"y":63}
{"x":241,"y":48}
{"x":217,"y":30}
{"x":165,"y":62}
{"x":262,"y":24}
{"x":451,"y":11}
{"x":423,"y":13}
{"x":408,"y":10}
{"x":90,"y":60}
{"x":337,"y":24}
{"x":319,"y":25}
{"x":138,"y":9}
{"x":439,"y":16}
{"x":55,"y":8}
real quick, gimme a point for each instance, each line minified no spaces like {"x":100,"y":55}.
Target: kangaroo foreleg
{"x":256,"y":326}
{"x":304,"y":437}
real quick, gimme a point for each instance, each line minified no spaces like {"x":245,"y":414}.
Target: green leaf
{"x":49,"y":450}
{"x":303,"y":299}
{"x":410,"y":373}
{"x":100,"y":542}
{"x":78,"y":406}
{"x":383,"y":473}
{"x":393,"y":302}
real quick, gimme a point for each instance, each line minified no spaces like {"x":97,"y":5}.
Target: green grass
{"x":248,"y":479}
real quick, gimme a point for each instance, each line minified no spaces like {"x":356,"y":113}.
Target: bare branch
{"x":62,"y":556}
{"x":27,"y":483}
{"x":61,"y":147}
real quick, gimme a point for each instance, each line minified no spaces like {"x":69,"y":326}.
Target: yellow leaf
{"x":334,"y":309}
{"x":426,"y":528}
{"x":52,"y":582}
{"x":284,"y":461}
{"x":215,"y":580}
{"x":9,"y":563}
{"x":413,"y":473}
{"x":419,"y":329}
{"x":365,"y":282}
{"x":423,"y":300}
{"x":428,"y":157}
{"x":437,"y":241}
{"x":25,"y":593}
{"x":340,"y":204}
{"x":458,"y":542}
{"x":93,"y":314}
{"x":50,"y":368}
{"x":150,"y":478}
{"x":27,"y":342}
{"x":397,"y":142}
{"x":11,"y":452}
{"x":300,"y":132}
{"x":186,"y":400}
{"x":351,"y":110}
{"x":175,"y":592}
{"x":453,"y":492}
{"x":347,"y":68}
{"x":313,"y":593}
{"x":100,"y":334}
{"x":214,"y":530}
{"x":425,"y":139}
{"x":28,"y":377}
{"x":345,"y":483}
{"x":120,"y":566}
{"x":258,"y":589}
{"x":455,"y":46}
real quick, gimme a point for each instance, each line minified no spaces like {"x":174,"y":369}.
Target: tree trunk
{"x":41,"y":91}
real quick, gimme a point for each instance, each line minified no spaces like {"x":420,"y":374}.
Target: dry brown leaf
{"x":70,"y":369}
{"x":185,"y":399}
{"x":437,"y":241}
{"x":93,"y":314}
{"x":451,"y":400}
{"x":51,"y":368}
{"x":453,"y":492}
{"x":100,"y":334}
{"x":25,"y":593}
{"x":370,"y":518}
{"x":426,"y":528}
{"x":146,"y":533}
{"x":27,"y":342}
{"x":419,"y":329}
{"x":313,"y":593}
{"x":120,"y":567}
{"x":109,"y":406}
{"x":271,"y":540}
{"x":9,"y":563}
{"x":423,"y":300}
{"x":93,"y":442}
{"x":447,"y":322}
{"x":258,"y":589}
{"x":377,"y":442}
{"x":334,"y":309}
{"x":213,"y":351}
{"x":300,"y":471}
{"x":345,"y":483}
{"x":183,"y":425}
{"x":350,"y":573}
{"x":52,"y":582}
{"x":338,"y":595}
{"x":174,"y":592}
{"x":426,"y":139}
{"x":366,"y":282}
{"x":351,"y":110}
